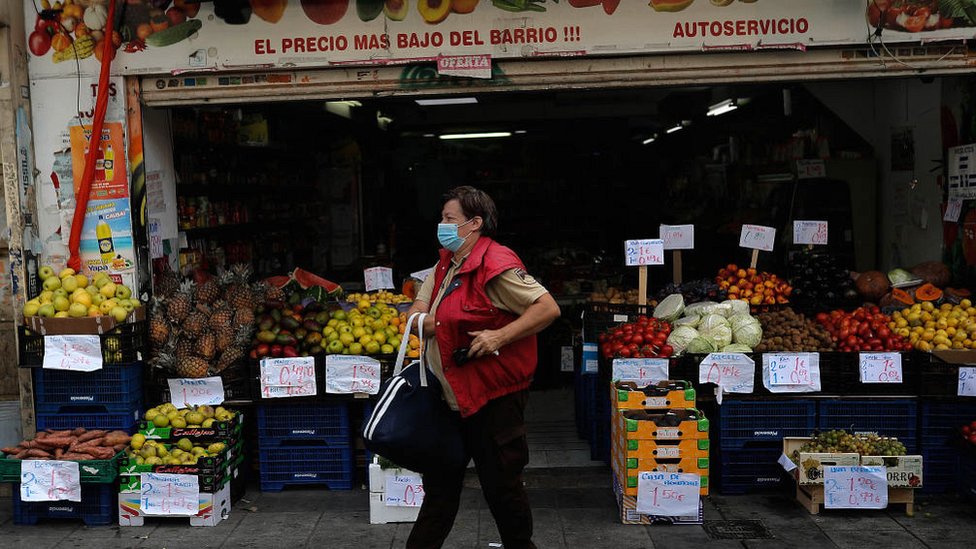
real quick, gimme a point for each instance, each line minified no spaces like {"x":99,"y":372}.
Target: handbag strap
{"x":404,"y":343}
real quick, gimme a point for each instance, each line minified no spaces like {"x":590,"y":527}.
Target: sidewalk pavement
{"x":573,"y":508}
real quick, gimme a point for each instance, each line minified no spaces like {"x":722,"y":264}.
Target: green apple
{"x":92,"y":290}
{"x":107,"y":289}
{"x":61,"y":303}
{"x":82,"y":280}
{"x":334,"y":347}
{"x":45,"y":297}
{"x":98,"y":299}
{"x":46,"y":310}
{"x":61,"y":314}
{"x":356,"y":348}
{"x":106,"y":306}
{"x":45,"y":272}
{"x":77,"y":310}
{"x":123,"y":292}
{"x":51,"y":283}
{"x":127,"y":305}
{"x":119,"y":314}
{"x":70,"y":284}
{"x":66,"y":272}
{"x":61,"y":292}
{"x":30,"y":309}
{"x":101,"y":279}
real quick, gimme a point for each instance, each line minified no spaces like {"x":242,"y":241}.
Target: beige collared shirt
{"x":513,"y":291}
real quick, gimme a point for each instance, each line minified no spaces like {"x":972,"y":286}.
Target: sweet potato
{"x":95,"y":442}
{"x":10,"y":450}
{"x":75,"y":456}
{"x":58,"y":453}
{"x":38,"y":453}
{"x":117,"y":437}
{"x":119,"y":447}
{"x":102,"y":453}
{"x":57,"y":442}
{"x":40,"y":435}
{"x":91,"y":435}
{"x":53,"y":433}
{"x":21,"y":454}
{"x":79,"y":431}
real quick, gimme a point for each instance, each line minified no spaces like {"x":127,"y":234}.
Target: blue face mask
{"x":447,"y":235}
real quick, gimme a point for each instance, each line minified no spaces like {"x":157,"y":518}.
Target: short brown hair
{"x":476,"y":203}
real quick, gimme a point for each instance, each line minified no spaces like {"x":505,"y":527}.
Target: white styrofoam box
{"x":10,"y":423}
{"x":213,"y":508}
{"x":381,"y":513}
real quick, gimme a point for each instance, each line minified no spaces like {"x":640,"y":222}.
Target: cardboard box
{"x":664,"y":425}
{"x":96,"y":325}
{"x":379,"y":511}
{"x":628,"y":476}
{"x":809,"y":469}
{"x":686,"y":465}
{"x":667,"y":449}
{"x":213,"y":509}
{"x":903,"y":471}
{"x":956,"y":356}
{"x":629,"y":515}
{"x":626,"y":395}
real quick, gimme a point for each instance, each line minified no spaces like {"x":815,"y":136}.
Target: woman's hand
{"x":486,"y":342}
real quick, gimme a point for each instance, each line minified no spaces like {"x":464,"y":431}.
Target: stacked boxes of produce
{"x":655,"y":428}
{"x":305,"y":443}
{"x":750,"y":435}
{"x":96,"y":452}
{"x":201,"y":441}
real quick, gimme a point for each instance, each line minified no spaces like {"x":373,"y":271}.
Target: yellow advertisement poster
{"x":111,"y":177}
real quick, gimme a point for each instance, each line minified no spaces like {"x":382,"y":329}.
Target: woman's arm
{"x":429,"y":324}
{"x":535,"y":319}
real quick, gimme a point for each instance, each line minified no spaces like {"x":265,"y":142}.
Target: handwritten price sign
{"x":197,"y":392}
{"x":967,"y":381}
{"x":791,"y":373}
{"x":81,"y":353}
{"x":811,"y":169}
{"x":881,"y":368}
{"x":346,"y":374}
{"x":668,"y":494}
{"x":378,"y":278}
{"x":642,"y":371}
{"x":733,"y":372}
{"x":953,"y":210}
{"x":288,"y":377}
{"x":422,"y":275}
{"x":678,"y":237}
{"x":169,"y":494}
{"x":757,"y":237}
{"x":404,"y":489}
{"x":644,"y":252}
{"x":49,"y":481}
{"x":810,"y":232}
{"x":855,"y":487}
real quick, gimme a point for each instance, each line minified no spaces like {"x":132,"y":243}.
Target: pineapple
{"x":243,"y":318}
{"x":228,"y":358}
{"x":225,"y":337}
{"x":208,"y":292}
{"x":158,"y":329}
{"x":185,"y":348}
{"x":166,"y":284}
{"x":207,"y":345}
{"x":179,"y":305}
{"x":195,"y":324}
{"x":222,"y":317}
{"x":273,"y":293}
{"x":193,"y":366}
{"x":238,"y":292}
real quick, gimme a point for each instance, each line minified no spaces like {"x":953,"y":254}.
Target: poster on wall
{"x":460,"y":35}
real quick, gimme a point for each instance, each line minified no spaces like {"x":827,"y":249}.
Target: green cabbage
{"x":691,"y":321}
{"x":701,"y":346}
{"x":701,"y":308}
{"x":720,"y":336}
{"x":748,"y":334}
{"x":738,"y":306}
{"x":680,"y":337}
{"x":670,"y":308}
{"x":712,"y":321}
{"x":736,"y":348}
{"x":740,"y":320}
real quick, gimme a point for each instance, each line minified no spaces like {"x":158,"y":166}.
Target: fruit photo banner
{"x":164,"y":36}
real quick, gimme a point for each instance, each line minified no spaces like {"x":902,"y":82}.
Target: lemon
{"x":138,"y":441}
{"x":160,"y":421}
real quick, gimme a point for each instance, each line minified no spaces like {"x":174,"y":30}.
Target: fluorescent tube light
{"x":520,"y":132}
{"x":718,"y":109}
{"x":446,"y":101}
{"x":674,"y":129}
{"x":649,"y":140}
{"x":481,"y":135}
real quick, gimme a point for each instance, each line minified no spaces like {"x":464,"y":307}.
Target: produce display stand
{"x":812,"y":498}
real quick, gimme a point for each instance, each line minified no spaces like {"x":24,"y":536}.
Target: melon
{"x":872,"y":285}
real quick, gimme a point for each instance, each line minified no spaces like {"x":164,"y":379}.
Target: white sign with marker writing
{"x":757,"y":237}
{"x":404,"y":489}
{"x":346,"y":374}
{"x":953,"y":210}
{"x":733,"y":372}
{"x":881,"y":368}
{"x":668,"y":494}
{"x":642,"y":371}
{"x":644,"y":252}
{"x":810,"y":232}
{"x":811,"y":168}
{"x":855,"y":487}
{"x":378,"y":278}
{"x":791,"y":372}
{"x":169,"y":494}
{"x":81,"y":353}
{"x":678,"y":237}
{"x":46,"y":480}
{"x":967,"y":381}
{"x":422,"y":275}
{"x":196,"y":392}
{"x":288,"y":377}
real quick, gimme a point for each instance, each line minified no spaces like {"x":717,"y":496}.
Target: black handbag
{"x":411,"y":424}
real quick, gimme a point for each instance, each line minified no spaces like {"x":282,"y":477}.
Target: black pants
{"x":495,"y":438}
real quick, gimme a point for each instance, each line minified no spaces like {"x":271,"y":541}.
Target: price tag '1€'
{"x":644,"y":252}
{"x":378,"y":278}
{"x":288,"y":377}
{"x":404,"y":489}
{"x":757,"y":237}
{"x":346,"y":374}
{"x":42,"y":480}
{"x":855,"y":487}
{"x":678,"y":237}
{"x":812,"y":233}
{"x":967,"y":381}
{"x":668,"y":494}
{"x":642,"y":371}
{"x":81,"y":353}
{"x":791,"y":372}
{"x":169,"y":494}
{"x":880,"y":368}
{"x":197,"y":392}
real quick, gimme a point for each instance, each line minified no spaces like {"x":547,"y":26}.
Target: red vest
{"x":465,"y":308}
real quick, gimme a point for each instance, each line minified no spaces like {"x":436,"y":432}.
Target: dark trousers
{"x":494,"y":438}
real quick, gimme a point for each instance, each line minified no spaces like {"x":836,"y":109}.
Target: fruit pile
{"x":931,"y":328}
{"x":71,"y":295}
{"x":758,"y":288}
{"x":374,"y":330}
{"x":819,"y":279}
{"x":844,"y":442}
{"x":70,"y":445}
{"x":865,"y":329}
{"x":968,"y":432}
{"x":184,"y":452}
{"x":785,"y":330}
{"x":289,"y":331}
{"x":204,"y":328}
{"x":382,"y":296}
{"x":615,"y":296}
{"x":646,"y":338}
{"x":695,"y":291}
{"x":168,"y":415}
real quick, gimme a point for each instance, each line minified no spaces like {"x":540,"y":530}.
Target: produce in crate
{"x":645,"y":338}
{"x":71,"y":295}
{"x":844,"y":442}
{"x":381,"y":296}
{"x":70,"y":445}
{"x":182,"y":452}
{"x":864,"y":329}
{"x":931,"y":328}
{"x":820,"y":280}
{"x":168,"y":415}
{"x":786,"y":330}
{"x":758,"y":288}
{"x":708,"y":327}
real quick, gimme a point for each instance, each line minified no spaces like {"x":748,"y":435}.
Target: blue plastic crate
{"x":891,"y":418}
{"x":745,"y":422}
{"x":114,"y":388}
{"x":327,"y":424}
{"x":98,"y":506}
{"x":967,"y":476}
{"x":753,"y":470}
{"x":940,"y":470}
{"x":941,"y":420}
{"x":280,"y":467}
{"x":122,"y":421}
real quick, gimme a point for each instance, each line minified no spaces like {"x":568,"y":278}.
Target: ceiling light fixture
{"x":481,"y":135}
{"x":520,"y":132}
{"x":718,"y":109}
{"x":446,"y":101}
{"x":675,"y":128}
{"x":649,"y":140}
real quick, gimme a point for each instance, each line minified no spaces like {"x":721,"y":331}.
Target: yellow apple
{"x":107,"y":289}
{"x":61,"y":304}
{"x":77,"y":310}
{"x":82,"y":280}
{"x":66,"y":272}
